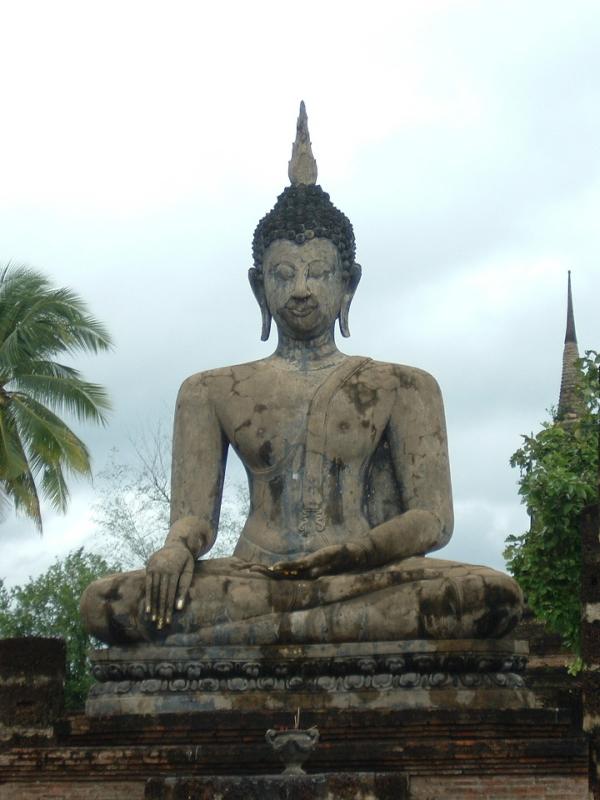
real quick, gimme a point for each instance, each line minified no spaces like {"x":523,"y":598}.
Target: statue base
{"x":470,"y":742}
{"x":154,"y":679}
{"x":341,"y":786}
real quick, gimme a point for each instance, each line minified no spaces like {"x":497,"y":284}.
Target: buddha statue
{"x":348,"y":473}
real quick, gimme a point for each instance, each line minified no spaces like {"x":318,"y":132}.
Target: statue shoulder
{"x":408,"y":383}
{"x":214,"y":383}
{"x":402,"y":377}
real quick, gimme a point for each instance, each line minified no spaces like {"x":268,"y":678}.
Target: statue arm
{"x":198,"y":469}
{"x":199,"y":455}
{"x":419,"y":448}
{"x":416,"y":433}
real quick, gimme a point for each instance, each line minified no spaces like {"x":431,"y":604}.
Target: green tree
{"x":49,"y":606}
{"x":558,"y":479}
{"x":38,"y":323}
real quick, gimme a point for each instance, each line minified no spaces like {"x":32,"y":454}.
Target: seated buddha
{"x":347,"y":466}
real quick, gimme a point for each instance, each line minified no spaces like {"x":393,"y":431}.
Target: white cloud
{"x":142,"y":142}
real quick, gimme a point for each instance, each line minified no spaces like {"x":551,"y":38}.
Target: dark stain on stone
{"x":265,"y":452}
{"x":276,"y":490}
{"x":501,"y":602}
{"x":335,"y":508}
{"x":285,"y":629}
{"x":113,"y":594}
{"x":436,"y":608}
{"x":259,"y":408}
{"x":245,"y":424}
{"x":365,"y":423}
{"x":344,"y":426}
{"x":118,"y":629}
{"x":382,"y":494}
{"x":234,"y":385}
{"x":406,"y":380}
{"x":361,"y":395}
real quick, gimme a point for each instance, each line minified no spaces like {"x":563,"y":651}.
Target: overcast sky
{"x":141,"y":142}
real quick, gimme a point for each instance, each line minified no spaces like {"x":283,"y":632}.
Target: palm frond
{"x":86,"y":401}
{"x":4,"y":502}
{"x":54,"y":486}
{"x":38,"y":321}
{"x":16,"y":479}
{"x":23,"y":491}
{"x":20,"y":291}
{"x":13,"y":461}
{"x":47,"y":439}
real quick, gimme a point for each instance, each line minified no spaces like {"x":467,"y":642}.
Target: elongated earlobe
{"x":353,"y":281}
{"x":258,"y":288}
{"x":266,"y":324}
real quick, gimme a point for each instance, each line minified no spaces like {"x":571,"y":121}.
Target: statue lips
{"x":301,"y":309}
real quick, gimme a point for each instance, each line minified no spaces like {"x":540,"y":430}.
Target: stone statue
{"x":348,"y":472}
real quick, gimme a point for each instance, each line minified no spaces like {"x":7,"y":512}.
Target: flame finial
{"x":302,"y":167}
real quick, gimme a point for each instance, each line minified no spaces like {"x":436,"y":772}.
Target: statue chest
{"x":278,"y":427}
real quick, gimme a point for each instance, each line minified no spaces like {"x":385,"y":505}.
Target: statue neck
{"x":307,"y":353}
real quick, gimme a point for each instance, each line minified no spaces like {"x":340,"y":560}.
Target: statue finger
{"x":316,"y":572}
{"x":289,"y":567}
{"x":170,"y":602}
{"x":185,"y":581}
{"x":305,"y":565}
{"x":162,"y":607}
{"x":155,"y":595}
{"x":280,"y":566}
{"x":148,"y":600}
{"x":258,"y":569}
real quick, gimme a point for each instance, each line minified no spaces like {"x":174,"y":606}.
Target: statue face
{"x":304,"y":286}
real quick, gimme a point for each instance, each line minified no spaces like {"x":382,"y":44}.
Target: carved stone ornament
{"x":314,"y":668}
{"x":293,"y":746}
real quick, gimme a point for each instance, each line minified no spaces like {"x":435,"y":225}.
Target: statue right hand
{"x":169,"y":574}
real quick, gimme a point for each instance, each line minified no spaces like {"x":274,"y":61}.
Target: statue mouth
{"x":301,"y":311}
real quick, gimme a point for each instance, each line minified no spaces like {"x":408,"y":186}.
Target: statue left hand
{"x":328,"y":560}
{"x":169,"y":574}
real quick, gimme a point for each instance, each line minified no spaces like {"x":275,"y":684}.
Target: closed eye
{"x":283,"y":270}
{"x":319,"y":269}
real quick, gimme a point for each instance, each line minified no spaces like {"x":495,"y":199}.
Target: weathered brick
{"x":73,"y":790}
{"x":507,"y":787}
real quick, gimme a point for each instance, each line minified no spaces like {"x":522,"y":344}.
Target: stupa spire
{"x":570,"y":335}
{"x":302,"y":167}
{"x":569,"y":402}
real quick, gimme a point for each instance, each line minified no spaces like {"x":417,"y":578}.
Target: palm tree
{"x":37,"y":324}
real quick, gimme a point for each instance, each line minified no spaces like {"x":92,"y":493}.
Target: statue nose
{"x":301,"y":290}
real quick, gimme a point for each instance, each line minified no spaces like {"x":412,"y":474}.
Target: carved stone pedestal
{"x":387,"y":675}
{"x":341,"y":786}
{"x":473,"y":741}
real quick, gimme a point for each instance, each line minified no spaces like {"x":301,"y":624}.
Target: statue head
{"x":304,"y":250}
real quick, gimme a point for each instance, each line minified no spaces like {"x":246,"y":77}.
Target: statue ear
{"x":351,"y":284}
{"x":255,"y":277}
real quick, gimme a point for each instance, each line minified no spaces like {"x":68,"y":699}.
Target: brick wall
{"x":72,"y":791}
{"x":442,"y":787}
{"x":500,"y":787}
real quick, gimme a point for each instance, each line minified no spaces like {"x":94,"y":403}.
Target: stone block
{"x":376,"y":675}
{"x":336,"y":786}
